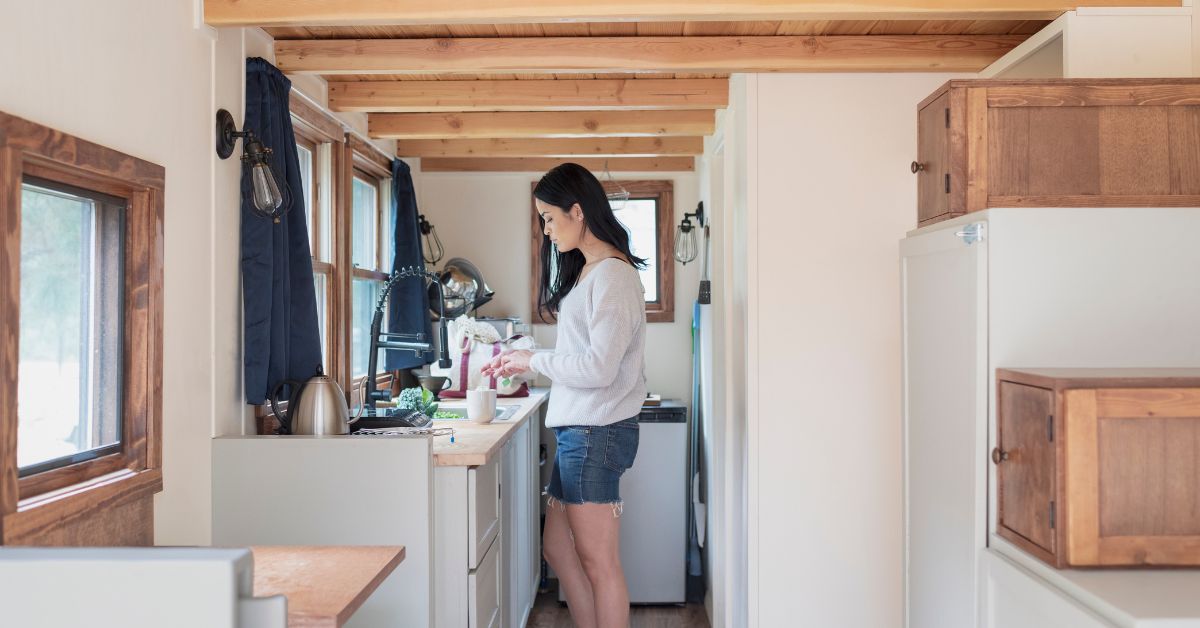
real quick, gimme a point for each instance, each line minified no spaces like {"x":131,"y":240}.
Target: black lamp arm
{"x":373,"y":394}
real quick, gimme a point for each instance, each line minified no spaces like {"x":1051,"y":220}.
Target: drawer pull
{"x":916,"y":167}
{"x":999,"y":455}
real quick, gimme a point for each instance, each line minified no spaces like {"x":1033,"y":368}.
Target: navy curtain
{"x":282,"y":338}
{"x":408,"y":303}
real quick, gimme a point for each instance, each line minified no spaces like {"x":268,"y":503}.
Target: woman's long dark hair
{"x":563,"y":187}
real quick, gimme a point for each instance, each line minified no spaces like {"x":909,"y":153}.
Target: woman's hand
{"x":508,"y":364}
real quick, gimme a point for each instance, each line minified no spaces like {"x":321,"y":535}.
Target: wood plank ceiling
{"x":629,"y":95}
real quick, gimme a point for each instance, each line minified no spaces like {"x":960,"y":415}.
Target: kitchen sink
{"x":503,"y":413}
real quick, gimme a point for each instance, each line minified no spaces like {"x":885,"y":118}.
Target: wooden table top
{"x":324,"y":585}
{"x":475,"y":444}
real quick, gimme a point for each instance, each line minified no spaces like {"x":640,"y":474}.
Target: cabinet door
{"x":483,"y":517}
{"x":509,"y":497}
{"x":933,"y":153}
{"x":944,"y":283}
{"x":1025,"y":473}
{"x":483,"y":590}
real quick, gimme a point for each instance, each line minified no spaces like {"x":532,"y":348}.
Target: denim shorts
{"x":590,"y":460}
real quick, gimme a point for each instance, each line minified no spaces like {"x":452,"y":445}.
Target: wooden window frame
{"x":348,"y":153}
{"x":368,"y":163}
{"x":662,"y":192}
{"x":317,"y":129}
{"x":50,"y":507}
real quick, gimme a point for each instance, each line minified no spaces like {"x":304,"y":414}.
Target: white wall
{"x":485,"y":217}
{"x":137,"y":76}
{"x":830,"y":198}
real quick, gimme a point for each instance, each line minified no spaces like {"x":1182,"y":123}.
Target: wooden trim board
{"x":542,"y":164}
{"x":380,"y":12}
{"x":553,"y":147}
{"x":515,"y":95}
{"x":546,"y":124}
{"x":774,"y":53}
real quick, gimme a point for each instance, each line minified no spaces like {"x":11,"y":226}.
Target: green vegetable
{"x":446,"y":414}
{"x":417,"y":399}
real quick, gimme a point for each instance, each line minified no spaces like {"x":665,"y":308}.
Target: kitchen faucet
{"x":409,"y":342}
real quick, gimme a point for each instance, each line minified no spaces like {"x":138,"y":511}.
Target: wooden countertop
{"x":324,"y":585}
{"x":476,"y":444}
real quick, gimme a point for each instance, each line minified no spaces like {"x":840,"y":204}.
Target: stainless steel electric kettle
{"x":315,"y":408}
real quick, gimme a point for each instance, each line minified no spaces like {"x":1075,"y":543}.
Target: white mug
{"x":481,"y":405}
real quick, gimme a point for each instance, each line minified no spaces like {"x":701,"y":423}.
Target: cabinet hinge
{"x":947,"y":183}
{"x":1052,"y":517}
{"x":947,"y":117}
{"x":1050,"y":428}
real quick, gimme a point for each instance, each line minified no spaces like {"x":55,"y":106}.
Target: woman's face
{"x":565,"y":228}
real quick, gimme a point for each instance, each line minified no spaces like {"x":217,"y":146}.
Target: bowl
{"x":433,"y":383}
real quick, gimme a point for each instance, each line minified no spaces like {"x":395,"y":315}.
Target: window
{"x":80,"y":405}
{"x":370,"y":273}
{"x":315,"y":175}
{"x":347,"y":186}
{"x":69,"y":378}
{"x":648,"y":216}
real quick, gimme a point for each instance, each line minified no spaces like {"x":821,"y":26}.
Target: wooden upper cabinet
{"x":1058,"y":143}
{"x":1096,"y":467}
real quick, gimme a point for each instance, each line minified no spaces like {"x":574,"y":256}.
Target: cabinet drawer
{"x":483,"y":590}
{"x":483,"y":510}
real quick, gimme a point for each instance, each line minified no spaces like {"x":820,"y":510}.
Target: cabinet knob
{"x":999,"y":455}
{"x":916,"y":167}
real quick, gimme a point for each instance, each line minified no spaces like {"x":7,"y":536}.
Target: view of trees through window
{"x":69,"y":350}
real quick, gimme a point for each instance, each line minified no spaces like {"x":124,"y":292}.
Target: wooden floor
{"x":548,"y":613}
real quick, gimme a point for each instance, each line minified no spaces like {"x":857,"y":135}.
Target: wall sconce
{"x":434,"y":251}
{"x":686,"y":247}
{"x":270,"y":199}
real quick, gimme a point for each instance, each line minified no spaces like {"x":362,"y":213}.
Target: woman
{"x":598,"y":381}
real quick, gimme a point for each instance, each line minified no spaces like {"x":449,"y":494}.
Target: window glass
{"x":640,"y":218}
{"x":306,"y":182}
{"x":365,"y":204}
{"x":321,"y":286}
{"x":69,"y":363}
{"x":365,"y":294}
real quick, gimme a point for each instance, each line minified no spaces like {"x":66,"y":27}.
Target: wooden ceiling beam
{"x":542,"y":164}
{"x":544,"y":95}
{"x":782,"y":53}
{"x":514,"y":124}
{"x":570,"y":147}
{"x":383,"y":12}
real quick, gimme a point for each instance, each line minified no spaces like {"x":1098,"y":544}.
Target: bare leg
{"x":596,"y":528}
{"x":559,"y":549}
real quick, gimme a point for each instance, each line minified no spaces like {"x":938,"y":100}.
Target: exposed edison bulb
{"x":267,"y":197}
{"x":685,"y":243}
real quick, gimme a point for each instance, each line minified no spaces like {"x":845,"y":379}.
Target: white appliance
{"x":654,"y":521}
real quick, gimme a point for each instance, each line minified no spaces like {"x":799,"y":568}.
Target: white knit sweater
{"x":598,"y":365}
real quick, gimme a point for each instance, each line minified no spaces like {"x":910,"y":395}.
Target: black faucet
{"x":411,"y":342}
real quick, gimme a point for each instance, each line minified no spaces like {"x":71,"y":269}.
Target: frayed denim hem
{"x":618,"y":507}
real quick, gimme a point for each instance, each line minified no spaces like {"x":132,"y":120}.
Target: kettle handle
{"x":362,"y":401}
{"x":285,"y":421}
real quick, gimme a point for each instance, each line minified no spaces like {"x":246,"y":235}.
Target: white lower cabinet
{"x":483,"y":590}
{"x":486,"y":550}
